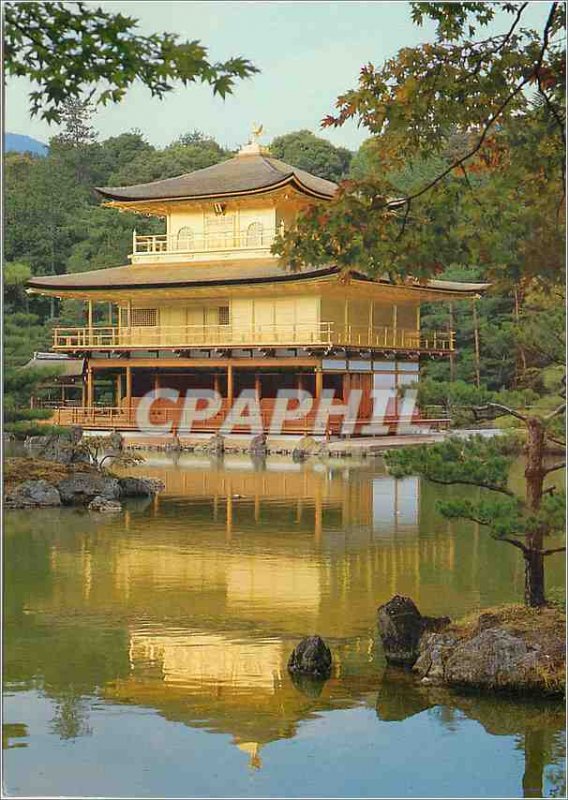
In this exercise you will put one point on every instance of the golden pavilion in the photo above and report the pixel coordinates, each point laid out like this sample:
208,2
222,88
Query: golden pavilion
206,305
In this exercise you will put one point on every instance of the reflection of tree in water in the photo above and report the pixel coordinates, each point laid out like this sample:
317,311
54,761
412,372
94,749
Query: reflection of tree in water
555,774
536,724
71,718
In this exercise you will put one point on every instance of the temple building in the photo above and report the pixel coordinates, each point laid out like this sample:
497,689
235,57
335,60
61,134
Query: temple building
206,305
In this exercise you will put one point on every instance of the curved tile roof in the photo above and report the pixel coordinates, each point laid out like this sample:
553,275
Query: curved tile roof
242,174
163,276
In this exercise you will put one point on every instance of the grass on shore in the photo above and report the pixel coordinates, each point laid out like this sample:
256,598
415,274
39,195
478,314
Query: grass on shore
18,470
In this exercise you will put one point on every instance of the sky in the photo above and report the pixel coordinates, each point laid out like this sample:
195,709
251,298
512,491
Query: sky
308,52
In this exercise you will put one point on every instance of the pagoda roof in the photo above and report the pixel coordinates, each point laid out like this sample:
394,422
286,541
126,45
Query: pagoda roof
244,174
162,276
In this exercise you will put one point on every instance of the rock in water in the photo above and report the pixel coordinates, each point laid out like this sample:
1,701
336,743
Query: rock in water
258,446
400,629
139,487
499,654
82,487
311,657
215,446
104,506
401,626
32,494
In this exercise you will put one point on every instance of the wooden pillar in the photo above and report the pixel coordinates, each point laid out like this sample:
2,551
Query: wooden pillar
346,386
476,343
118,390
319,383
129,389
394,325
300,382
216,382
452,353
257,386
84,392
110,315
230,384
89,321
90,388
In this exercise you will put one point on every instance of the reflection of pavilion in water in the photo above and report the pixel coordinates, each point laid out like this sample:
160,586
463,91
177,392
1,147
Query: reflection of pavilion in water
220,577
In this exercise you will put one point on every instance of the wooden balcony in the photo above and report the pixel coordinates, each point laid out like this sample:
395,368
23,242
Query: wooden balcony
125,418
221,245
183,337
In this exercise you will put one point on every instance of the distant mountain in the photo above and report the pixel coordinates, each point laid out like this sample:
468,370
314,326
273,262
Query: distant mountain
17,142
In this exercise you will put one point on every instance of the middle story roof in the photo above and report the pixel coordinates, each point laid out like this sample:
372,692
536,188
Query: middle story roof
151,277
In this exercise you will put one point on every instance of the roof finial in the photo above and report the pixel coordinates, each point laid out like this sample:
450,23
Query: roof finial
253,148
257,131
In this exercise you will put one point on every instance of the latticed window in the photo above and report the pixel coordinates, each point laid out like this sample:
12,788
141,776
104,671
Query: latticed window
185,238
144,317
254,234
224,318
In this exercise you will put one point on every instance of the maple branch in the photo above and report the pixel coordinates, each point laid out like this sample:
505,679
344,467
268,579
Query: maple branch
495,115
469,186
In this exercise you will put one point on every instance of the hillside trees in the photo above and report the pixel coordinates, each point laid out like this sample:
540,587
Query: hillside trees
313,154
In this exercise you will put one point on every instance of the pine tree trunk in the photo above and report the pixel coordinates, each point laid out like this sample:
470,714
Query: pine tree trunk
534,474
534,579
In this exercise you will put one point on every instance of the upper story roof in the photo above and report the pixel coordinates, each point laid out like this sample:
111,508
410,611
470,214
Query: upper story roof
249,172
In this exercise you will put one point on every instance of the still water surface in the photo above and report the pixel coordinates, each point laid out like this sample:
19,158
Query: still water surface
145,654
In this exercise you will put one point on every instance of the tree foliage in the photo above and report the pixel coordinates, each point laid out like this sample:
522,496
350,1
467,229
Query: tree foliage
466,157
69,50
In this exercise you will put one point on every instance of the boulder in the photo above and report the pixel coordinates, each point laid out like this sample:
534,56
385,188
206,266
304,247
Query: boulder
61,448
103,506
401,626
311,657
82,487
32,494
139,487
494,658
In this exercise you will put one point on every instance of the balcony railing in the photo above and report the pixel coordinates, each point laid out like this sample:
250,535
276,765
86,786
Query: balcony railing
203,243
326,334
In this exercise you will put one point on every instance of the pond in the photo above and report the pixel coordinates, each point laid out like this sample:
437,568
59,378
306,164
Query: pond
145,653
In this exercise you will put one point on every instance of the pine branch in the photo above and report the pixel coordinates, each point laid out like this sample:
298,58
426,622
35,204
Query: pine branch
463,482
557,411
552,550
554,467
498,407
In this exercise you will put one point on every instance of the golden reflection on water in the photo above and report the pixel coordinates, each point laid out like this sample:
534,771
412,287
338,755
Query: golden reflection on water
210,585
